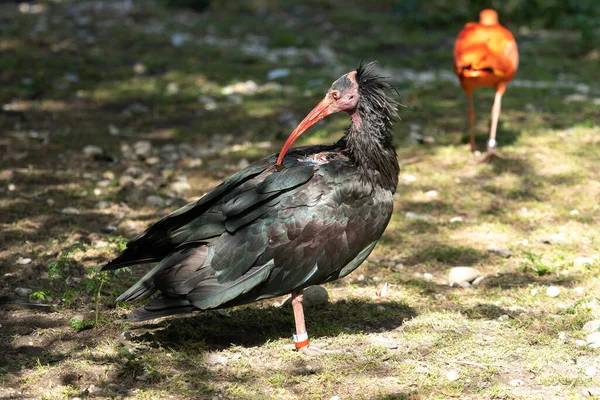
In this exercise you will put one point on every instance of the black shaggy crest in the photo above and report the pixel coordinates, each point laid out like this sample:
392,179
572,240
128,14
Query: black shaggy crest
370,142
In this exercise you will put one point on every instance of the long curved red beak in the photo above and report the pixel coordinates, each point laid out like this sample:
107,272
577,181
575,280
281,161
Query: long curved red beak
320,111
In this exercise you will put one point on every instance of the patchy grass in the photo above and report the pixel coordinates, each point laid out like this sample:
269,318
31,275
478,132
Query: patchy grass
74,74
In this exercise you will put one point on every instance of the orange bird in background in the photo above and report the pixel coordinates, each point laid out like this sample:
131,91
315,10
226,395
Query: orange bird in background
485,54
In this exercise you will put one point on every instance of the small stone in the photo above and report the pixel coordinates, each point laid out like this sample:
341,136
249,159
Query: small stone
478,281
579,290
335,398
142,148
583,261
440,296
452,376
315,296
591,371
562,335
593,340
92,151
462,274
78,318
11,187
70,211
580,343
408,178
417,216
431,193
215,359
93,389
155,201
139,68
360,278
152,160
50,202
278,73
501,251
109,229
427,276
516,382
557,238
113,130
399,266
97,191
180,185
23,292
534,292
23,261
172,88
592,326
552,291
574,212
178,39
102,204
383,342
456,219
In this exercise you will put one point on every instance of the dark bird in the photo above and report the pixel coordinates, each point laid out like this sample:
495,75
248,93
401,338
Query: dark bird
308,216
485,54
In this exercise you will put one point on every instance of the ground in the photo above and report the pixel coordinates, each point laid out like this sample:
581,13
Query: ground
175,101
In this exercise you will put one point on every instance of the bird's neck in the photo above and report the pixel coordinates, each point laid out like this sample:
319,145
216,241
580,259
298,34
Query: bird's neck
369,143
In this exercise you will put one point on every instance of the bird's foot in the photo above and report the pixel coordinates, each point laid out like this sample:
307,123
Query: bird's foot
492,154
316,349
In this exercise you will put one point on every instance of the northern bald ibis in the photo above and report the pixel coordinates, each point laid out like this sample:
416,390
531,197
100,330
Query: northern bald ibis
485,54
307,216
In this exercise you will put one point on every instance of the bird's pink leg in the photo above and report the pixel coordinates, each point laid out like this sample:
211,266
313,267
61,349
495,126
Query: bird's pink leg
471,120
301,336
491,146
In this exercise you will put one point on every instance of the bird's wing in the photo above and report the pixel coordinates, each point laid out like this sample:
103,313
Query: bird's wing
279,231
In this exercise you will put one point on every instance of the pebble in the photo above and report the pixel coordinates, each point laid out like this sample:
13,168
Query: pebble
139,68
408,178
109,229
243,163
552,291
456,219
335,398
593,340
440,296
360,278
142,148
417,216
215,359
431,193
278,73
574,212
92,151
580,343
579,290
180,185
501,251
113,130
583,261
248,88
50,202
97,191
313,296
427,276
452,375
516,382
23,292
172,88
384,342
70,211
592,326
462,274
102,204
155,201
23,261
11,187
591,371
557,238
478,281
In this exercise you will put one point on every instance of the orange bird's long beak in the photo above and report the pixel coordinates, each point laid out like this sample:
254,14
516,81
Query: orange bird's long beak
320,111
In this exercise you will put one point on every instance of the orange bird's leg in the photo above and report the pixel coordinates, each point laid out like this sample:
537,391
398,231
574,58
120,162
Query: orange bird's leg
471,119
500,89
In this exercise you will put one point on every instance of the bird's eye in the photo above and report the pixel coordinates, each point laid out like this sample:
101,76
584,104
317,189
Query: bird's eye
351,97
335,95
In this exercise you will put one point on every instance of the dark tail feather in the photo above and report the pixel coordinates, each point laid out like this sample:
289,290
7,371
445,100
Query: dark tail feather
127,258
161,306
